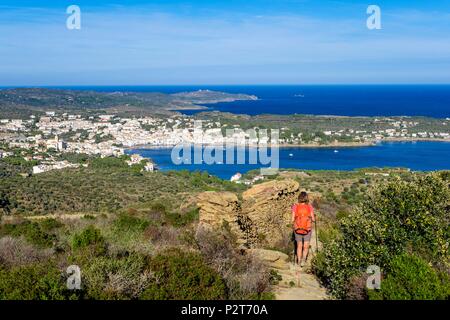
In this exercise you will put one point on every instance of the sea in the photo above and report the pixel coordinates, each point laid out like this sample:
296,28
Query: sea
343,100
416,156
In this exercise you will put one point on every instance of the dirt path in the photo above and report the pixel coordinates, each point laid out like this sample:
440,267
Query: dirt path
296,283
54,216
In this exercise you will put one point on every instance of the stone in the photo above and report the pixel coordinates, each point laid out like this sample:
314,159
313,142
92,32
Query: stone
219,208
269,255
261,219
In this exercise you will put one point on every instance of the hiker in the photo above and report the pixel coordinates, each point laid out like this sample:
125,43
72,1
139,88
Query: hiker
302,220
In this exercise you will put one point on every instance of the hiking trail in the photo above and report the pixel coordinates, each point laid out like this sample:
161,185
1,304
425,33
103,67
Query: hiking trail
296,283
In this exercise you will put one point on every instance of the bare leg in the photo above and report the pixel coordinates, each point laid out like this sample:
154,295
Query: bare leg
305,249
299,252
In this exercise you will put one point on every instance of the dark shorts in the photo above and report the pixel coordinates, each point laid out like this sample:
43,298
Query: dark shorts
301,238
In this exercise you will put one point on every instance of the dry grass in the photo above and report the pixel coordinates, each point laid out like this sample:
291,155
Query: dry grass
245,276
17,252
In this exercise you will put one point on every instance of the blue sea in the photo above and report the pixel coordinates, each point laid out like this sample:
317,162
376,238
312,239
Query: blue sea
421,156
345,100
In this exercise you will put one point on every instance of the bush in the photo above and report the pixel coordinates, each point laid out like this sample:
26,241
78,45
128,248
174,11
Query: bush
116,277
16,252
411,278
274,277
33,282
91,239
108,162
246,276
50,224
158,207
128,223
33,232
182,219
183,276
395,216
163,235
356,287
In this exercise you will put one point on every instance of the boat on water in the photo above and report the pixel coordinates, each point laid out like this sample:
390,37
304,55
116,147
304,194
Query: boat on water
291,155
336,151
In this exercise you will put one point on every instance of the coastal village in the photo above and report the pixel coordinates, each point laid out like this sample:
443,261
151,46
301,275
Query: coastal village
40,138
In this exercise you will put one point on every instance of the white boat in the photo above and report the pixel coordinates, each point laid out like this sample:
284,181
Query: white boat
336,151
291,155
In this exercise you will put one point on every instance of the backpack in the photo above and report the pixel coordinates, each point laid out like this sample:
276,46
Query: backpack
303,218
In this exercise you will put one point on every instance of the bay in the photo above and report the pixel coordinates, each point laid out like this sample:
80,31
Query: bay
417,156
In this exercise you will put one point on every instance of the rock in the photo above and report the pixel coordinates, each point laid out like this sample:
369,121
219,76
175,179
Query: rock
269,255
273,259
295,283
279,265
293,174
268,206
262,218
218,209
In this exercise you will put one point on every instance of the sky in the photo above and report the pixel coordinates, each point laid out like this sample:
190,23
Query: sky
172,42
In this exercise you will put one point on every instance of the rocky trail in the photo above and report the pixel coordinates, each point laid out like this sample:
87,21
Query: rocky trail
261,218
296,283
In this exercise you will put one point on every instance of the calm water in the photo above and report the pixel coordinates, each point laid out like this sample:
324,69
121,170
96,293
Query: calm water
424,156
349,100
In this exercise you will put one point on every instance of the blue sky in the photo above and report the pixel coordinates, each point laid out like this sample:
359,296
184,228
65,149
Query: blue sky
141,42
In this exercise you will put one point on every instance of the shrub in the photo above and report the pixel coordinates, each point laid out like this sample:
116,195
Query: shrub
395,216
128,223
88,217
163,235
341,214
246,276
158,207
182,219
33,282
16,252
116,277
32,231
91,239
356,287
183,276
108,162
274,277
50,224
411,278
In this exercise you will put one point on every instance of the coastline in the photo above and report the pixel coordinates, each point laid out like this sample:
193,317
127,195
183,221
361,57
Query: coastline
199,106
309,145
187,108
396,139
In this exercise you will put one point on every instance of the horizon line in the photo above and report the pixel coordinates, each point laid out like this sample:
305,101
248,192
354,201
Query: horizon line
219,84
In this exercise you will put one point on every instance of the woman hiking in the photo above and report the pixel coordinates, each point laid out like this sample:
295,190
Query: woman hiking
302,220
